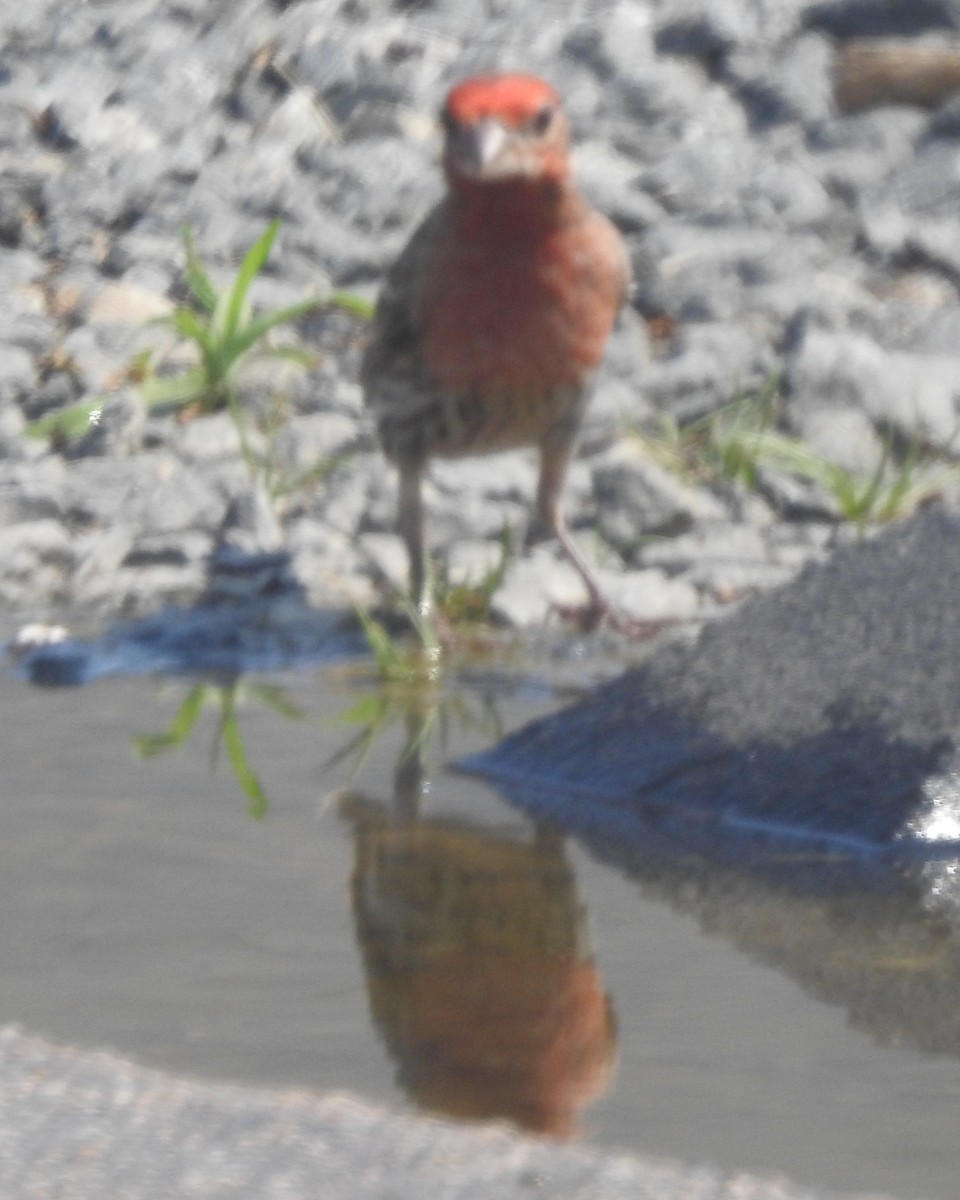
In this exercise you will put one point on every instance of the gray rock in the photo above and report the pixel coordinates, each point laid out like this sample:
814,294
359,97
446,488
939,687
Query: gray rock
708,364
28,546
618,405
714,556
135,591
707,174
333,568
31,490
918,396
534,587
794,84
152,492
133,301
59,390
611,182
17,377
469,563
176,549
250,523
909,213
180,501
387,558
880,18
845,436
24,320
511,476
945,122
666,106
651,595
213,436
98,555
116,428
15,222
361,498
621,44
704,30
481,497
14,443
638,499
795,498
935,243
918,314
854,154
313,445
709,29
21,266
702,271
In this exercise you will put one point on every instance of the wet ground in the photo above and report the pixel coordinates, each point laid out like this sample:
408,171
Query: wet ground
394,928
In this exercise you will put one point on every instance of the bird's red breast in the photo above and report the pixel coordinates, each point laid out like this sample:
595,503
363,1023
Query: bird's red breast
523,298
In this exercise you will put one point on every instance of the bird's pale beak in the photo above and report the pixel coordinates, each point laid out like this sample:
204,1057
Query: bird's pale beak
475,147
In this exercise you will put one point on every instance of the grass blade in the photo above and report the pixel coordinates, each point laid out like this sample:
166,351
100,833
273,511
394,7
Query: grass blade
232,739
68,423
195,273
321,470
240,342
357,306
180,727
192,385
274,698
244,774
251,266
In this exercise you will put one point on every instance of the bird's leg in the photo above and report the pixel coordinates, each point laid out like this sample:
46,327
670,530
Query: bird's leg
410,525
556,450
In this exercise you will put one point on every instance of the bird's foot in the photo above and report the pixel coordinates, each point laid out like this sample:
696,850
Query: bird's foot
600,613
433,627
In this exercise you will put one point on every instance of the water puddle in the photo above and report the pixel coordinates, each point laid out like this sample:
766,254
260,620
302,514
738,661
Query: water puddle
392,927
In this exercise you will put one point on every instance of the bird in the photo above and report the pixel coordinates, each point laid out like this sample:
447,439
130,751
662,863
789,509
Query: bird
491,323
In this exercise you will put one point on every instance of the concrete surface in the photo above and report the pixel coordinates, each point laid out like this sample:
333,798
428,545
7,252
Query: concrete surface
80,1125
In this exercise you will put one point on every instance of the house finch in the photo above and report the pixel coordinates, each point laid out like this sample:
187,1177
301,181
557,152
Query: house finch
493,320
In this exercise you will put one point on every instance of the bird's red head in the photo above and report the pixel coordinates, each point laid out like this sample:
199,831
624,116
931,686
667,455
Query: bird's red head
505,127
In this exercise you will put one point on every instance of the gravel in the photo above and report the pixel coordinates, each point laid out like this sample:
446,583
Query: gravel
771,233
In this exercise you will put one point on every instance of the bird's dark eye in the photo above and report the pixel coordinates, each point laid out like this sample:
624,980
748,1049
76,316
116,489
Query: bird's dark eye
541,120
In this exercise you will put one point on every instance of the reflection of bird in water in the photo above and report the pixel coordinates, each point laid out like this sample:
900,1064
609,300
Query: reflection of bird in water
479,971
492,322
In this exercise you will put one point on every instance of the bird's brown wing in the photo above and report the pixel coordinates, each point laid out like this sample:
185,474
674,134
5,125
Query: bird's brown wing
397,387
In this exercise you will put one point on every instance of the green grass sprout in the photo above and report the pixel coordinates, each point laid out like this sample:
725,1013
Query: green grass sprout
223,329
739,441
226,700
